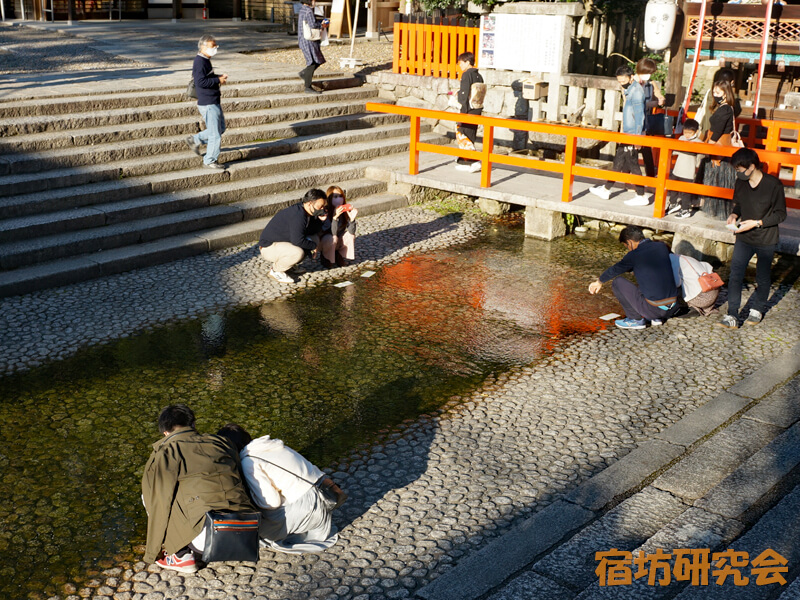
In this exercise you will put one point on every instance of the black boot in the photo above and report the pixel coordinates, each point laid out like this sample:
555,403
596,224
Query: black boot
307,77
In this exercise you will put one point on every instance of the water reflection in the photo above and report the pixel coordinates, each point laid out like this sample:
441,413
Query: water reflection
324,371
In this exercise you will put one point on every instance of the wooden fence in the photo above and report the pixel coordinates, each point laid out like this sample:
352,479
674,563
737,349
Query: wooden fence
774,160
430,46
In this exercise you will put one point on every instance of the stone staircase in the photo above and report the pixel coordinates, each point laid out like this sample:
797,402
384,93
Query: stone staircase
94,185
726,476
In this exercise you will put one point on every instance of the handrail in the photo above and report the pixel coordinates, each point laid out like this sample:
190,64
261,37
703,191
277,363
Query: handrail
568,168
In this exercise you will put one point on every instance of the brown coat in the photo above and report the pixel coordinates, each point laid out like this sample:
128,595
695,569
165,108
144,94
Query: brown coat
187,474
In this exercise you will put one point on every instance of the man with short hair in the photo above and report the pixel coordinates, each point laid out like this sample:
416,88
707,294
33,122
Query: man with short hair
655,299
187,474
760,203
207,85
293,232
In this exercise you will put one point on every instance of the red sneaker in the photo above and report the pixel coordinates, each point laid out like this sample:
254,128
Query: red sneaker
184,564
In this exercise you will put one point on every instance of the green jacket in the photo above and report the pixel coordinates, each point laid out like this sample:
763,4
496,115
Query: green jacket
187,474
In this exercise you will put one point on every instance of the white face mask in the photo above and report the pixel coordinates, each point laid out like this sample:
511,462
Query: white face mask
337,200
644,77
211,51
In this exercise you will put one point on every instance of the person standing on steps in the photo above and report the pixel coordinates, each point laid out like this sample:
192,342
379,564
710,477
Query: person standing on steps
309,34
207,85
759,206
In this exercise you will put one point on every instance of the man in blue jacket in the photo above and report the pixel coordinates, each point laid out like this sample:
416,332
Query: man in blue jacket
207,85
626,157
655,299
293,232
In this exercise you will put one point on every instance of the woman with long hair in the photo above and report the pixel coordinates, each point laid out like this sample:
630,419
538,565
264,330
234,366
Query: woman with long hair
339,242
718,172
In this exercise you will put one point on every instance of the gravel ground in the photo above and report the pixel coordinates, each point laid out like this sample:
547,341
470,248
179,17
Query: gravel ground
25,50
377,56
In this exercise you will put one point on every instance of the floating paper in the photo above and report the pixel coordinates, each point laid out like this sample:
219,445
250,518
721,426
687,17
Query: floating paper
343,284
368,273
610,316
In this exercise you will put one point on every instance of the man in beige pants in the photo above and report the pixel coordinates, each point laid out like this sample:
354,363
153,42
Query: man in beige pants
291,233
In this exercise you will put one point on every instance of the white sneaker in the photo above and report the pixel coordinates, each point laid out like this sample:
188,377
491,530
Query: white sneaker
280,276
600,192
674,208
637,201
475,167
656,322
461,167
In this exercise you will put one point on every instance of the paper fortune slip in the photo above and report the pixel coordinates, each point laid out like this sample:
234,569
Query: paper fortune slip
368,273
610,316
343,284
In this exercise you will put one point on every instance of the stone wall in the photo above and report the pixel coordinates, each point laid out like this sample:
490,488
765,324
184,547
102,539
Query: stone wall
503,98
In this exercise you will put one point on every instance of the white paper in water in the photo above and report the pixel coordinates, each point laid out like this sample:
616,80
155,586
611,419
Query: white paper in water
610,316
368,273
343,284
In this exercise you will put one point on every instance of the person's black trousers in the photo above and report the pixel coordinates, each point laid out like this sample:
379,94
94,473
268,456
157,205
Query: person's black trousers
626,160
742,253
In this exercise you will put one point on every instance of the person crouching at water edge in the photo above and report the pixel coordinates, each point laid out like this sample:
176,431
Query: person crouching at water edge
293,232
339,230
655,298
286,487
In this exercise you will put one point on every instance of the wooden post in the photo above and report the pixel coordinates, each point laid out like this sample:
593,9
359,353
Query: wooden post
677,56
413,152
660,203
570,152
486,165
396,41
176,10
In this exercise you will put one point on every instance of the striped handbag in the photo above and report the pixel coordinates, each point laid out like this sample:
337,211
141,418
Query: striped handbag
231,536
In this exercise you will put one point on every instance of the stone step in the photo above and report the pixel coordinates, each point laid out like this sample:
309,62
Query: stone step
273,124
176,110
132,99
30,183
107,262
113,213
125,189
36,159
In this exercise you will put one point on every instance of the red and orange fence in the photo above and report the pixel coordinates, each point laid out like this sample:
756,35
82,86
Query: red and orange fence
663,147
430,47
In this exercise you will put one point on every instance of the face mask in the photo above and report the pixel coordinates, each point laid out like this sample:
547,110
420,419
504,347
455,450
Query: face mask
337,200
319,212
719,99
743,176
211,51
644,77
624,85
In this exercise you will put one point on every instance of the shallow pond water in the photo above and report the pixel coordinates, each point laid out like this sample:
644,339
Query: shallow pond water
325,371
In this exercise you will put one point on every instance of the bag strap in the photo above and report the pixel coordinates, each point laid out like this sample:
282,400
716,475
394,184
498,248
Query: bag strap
312,483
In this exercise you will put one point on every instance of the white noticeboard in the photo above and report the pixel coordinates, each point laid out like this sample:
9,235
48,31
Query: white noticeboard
530,43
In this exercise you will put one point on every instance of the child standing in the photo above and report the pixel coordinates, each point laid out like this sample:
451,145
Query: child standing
685,169
470,98
626,158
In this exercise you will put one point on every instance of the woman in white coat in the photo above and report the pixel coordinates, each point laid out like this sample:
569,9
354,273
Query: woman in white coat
294,516
695,297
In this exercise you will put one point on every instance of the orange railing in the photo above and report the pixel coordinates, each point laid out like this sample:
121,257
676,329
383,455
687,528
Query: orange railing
431,47
569,169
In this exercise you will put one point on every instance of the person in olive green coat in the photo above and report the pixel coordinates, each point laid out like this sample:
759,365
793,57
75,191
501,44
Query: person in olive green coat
187,474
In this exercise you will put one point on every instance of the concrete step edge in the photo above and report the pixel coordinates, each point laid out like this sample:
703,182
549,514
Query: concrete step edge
253,157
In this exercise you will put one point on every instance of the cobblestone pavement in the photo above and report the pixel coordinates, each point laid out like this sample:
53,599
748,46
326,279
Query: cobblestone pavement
439,487
27,50
52,324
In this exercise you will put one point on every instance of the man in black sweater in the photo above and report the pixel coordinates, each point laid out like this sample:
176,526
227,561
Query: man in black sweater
656,297
293,232
207,84
759,205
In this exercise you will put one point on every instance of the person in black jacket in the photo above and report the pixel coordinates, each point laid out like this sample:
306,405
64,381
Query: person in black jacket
759,205
467,134
207,85
293,232
655,299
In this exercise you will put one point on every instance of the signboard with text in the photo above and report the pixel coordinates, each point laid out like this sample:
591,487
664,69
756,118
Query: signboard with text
530,43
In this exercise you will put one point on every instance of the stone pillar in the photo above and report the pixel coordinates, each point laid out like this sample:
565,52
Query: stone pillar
701,248
544,224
